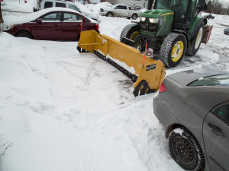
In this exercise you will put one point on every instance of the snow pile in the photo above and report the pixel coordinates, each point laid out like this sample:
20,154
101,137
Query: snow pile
113,26
20,5
83,7
71,111
96,8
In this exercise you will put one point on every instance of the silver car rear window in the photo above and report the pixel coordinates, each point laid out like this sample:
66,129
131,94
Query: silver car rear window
215,80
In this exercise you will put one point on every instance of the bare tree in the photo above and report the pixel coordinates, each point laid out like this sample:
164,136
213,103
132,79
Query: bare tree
1,19
217,7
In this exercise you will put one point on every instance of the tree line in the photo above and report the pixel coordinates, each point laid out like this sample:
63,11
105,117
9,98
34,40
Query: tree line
217,7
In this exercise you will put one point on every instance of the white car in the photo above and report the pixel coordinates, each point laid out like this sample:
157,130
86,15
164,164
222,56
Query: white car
120,10
66,4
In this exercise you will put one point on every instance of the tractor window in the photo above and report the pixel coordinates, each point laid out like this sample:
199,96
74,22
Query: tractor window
162,4
180,9
193,10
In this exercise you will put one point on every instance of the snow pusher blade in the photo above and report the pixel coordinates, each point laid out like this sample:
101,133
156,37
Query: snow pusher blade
147,73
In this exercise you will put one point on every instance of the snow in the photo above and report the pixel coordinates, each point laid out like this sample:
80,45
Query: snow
96,8
19,5
61,110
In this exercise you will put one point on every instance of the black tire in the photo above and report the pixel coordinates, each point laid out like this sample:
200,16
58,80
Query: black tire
131,31
24,34
78,37
194,44
110,14
185,149
134,16
173,40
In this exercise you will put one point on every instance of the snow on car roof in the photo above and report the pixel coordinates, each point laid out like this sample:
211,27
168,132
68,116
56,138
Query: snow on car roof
82,7
32,16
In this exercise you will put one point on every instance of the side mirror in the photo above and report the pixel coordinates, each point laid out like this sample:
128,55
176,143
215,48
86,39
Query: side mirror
39,20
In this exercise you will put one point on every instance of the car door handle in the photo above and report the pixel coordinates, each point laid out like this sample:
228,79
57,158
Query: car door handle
57,25
216,130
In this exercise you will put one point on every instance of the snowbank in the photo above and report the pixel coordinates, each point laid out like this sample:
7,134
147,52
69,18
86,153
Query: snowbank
19,5
96,8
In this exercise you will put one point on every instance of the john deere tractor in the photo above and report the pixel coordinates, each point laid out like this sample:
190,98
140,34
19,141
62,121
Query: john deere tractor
169,31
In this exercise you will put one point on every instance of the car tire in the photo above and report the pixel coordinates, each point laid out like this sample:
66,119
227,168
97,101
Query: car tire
134,16
185,149
195,42
24,34
173,49
78,37
109,14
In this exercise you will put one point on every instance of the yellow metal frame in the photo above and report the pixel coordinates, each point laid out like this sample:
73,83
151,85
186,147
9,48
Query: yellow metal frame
131,59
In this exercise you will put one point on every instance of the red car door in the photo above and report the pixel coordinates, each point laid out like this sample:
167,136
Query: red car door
49,28
71,26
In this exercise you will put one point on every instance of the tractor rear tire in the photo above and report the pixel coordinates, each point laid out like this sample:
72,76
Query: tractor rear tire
131,31
195,42
173,49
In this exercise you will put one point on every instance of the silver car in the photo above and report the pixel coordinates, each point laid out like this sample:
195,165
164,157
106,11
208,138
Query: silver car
193,107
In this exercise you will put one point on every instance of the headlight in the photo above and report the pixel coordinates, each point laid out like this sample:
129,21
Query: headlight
7,27
153,20
143,19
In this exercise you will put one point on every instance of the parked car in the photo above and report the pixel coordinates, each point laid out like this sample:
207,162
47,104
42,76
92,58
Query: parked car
66,4
52,24
209,16
226,31
193,107
120,10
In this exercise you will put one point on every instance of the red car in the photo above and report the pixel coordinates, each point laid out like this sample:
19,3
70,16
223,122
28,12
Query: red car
52,24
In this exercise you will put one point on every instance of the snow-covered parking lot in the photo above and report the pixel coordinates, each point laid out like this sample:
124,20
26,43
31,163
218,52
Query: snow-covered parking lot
65,111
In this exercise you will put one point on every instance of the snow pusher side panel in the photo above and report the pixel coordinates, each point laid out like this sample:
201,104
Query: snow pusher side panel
147,77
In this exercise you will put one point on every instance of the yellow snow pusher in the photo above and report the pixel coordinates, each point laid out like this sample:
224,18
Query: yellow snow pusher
147,73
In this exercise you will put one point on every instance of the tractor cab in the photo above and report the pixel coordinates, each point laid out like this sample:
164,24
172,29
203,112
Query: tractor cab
185,11
181,8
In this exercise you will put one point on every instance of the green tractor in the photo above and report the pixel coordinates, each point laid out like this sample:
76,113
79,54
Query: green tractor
169,31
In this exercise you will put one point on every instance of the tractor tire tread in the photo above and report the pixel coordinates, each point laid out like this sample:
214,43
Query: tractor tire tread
128,30
166,47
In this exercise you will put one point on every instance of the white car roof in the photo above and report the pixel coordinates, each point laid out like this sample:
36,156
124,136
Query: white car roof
32,16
